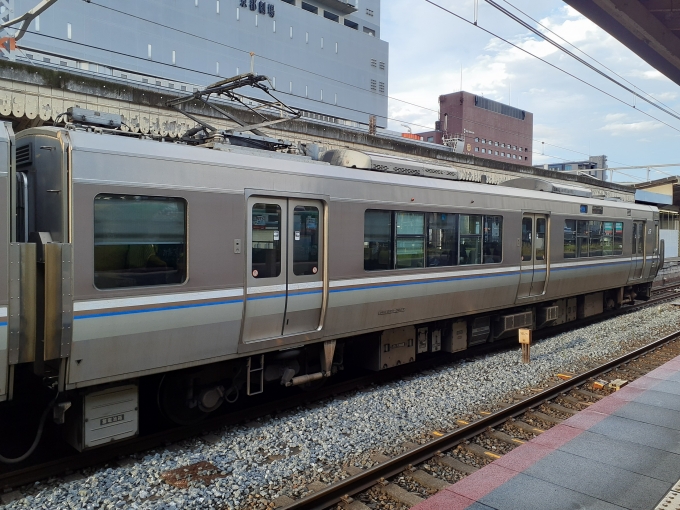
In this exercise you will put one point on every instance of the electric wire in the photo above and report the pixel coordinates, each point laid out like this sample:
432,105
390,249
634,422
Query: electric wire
557,45
587,55
549,63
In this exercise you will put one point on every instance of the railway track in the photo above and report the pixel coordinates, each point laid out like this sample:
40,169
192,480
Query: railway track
65,464
466,449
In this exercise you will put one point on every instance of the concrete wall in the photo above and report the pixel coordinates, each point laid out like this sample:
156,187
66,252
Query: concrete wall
671,239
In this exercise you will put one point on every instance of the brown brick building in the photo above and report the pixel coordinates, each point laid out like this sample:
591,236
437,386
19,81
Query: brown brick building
490,129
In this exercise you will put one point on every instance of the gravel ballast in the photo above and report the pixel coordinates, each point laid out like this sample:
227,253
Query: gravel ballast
284,455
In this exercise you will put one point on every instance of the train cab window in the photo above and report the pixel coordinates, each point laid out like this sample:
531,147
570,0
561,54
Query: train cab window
569,239
410,240
527,237
470,251
442,239
540,238
595,239
377,240
266,241
139,241
618,238
306,240
493,239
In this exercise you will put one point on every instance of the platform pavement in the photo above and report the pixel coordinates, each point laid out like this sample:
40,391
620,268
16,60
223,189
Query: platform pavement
622,452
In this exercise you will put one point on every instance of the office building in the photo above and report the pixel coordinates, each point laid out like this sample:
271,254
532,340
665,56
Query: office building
489,129
324,57
595,167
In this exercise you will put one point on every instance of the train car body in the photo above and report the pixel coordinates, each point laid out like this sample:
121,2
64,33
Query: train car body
158,258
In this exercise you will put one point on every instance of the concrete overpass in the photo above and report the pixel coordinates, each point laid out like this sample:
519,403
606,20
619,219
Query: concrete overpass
650,28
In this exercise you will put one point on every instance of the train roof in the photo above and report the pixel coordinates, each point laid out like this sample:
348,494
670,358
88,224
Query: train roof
242,158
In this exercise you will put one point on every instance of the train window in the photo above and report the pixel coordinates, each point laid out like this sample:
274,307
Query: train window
377,240
592,238
527,237
139,241
442,239
493,239
540,238
410,240
595,239
582,231
618,238
569,239
607,238
266,241
470,251
306,240
638,238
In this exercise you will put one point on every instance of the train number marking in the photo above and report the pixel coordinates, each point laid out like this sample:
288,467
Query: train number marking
112,419
395,310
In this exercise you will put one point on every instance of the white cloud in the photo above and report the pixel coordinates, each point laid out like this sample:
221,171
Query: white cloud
428,46
626,128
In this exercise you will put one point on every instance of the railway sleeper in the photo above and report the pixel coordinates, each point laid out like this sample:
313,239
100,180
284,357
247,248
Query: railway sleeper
401,495
456,464
506,438
480,451
561,409
538,415
531,429
353,504
588,394
575,401
427,480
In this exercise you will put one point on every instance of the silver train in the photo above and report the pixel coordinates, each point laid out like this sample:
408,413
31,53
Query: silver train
212,273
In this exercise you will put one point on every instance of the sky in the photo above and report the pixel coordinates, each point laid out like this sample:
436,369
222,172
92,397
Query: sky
572,120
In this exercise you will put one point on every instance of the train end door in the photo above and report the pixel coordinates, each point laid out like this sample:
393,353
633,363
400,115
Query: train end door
285,268
534,256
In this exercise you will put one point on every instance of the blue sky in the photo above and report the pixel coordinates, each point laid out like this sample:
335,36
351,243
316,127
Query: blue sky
428,47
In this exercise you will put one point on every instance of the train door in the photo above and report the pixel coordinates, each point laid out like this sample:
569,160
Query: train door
533,264
284,291
638,260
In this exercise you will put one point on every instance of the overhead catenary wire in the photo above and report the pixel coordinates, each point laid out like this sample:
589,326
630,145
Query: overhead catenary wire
587,55
431,2
557,45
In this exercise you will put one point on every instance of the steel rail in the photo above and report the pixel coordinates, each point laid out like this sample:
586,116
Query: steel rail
334,493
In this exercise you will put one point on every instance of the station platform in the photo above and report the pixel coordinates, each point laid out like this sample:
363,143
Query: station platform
622,452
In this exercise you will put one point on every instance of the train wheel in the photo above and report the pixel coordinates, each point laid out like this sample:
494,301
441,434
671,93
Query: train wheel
175,399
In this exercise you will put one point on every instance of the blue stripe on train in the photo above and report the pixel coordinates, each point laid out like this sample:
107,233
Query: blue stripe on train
334,291
161,309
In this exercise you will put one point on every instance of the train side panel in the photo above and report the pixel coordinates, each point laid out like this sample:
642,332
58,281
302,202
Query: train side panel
133,330
6,138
